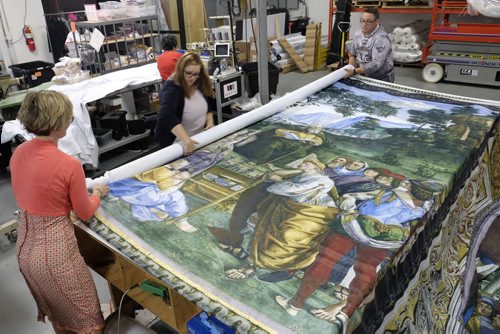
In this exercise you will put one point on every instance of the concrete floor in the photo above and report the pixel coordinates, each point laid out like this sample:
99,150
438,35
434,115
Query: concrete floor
17,308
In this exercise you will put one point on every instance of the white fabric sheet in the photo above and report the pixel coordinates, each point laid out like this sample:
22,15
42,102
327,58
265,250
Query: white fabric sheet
80,141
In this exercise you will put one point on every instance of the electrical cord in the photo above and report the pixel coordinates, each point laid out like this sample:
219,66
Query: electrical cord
120,306
24,25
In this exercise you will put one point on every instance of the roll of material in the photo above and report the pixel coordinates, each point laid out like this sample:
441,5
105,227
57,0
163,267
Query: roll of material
411,39
400,47
407,31
406,47
175,151
414,46
407,57
397,38
490,8
398,31
284,62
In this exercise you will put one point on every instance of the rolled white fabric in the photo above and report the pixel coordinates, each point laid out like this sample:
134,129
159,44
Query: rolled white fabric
414,46
398,31
412,39
284,62
174,151
401,47
407,31
489,8
407,56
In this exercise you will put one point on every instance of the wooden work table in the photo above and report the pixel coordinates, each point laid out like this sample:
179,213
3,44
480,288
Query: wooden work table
122,273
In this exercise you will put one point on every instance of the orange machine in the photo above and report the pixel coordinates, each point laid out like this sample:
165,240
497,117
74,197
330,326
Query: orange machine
461,48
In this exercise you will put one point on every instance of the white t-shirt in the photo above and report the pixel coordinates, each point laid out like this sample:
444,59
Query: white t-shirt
194,116
71,45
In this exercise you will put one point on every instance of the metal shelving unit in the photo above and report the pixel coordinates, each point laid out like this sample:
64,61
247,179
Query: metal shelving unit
127,42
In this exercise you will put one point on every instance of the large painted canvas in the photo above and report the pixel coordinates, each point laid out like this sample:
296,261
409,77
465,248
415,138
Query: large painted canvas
291,222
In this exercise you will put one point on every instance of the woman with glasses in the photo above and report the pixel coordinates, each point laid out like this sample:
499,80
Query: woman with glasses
186,104
370,51
48,184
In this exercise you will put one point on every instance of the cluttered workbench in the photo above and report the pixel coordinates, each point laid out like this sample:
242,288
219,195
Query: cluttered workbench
13,100
315,213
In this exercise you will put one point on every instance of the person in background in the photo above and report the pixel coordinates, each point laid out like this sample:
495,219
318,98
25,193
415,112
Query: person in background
370,51
73,39
167,60
186,104
48,184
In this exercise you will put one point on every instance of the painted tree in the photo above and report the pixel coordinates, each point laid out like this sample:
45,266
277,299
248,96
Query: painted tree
436,119
467,118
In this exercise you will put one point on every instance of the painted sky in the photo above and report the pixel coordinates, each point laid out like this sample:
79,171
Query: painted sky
404,103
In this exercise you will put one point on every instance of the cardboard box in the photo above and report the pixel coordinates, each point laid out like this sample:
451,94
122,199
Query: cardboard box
243,47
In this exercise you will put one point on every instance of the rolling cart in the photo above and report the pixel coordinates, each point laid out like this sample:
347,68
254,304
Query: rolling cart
461,51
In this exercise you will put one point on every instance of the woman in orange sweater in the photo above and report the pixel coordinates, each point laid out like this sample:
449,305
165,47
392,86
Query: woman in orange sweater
48,184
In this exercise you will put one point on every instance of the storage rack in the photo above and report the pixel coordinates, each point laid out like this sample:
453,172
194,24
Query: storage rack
117,41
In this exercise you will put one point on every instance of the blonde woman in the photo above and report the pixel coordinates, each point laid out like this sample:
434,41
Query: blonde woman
186,104
47,185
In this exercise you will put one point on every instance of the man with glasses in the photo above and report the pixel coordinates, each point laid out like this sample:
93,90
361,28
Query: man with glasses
370,51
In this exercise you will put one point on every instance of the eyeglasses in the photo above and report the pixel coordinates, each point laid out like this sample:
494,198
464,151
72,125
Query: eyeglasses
191,74
367,21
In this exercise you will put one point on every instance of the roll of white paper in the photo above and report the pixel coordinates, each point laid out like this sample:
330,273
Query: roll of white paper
398,31
174,151
407,31
414,46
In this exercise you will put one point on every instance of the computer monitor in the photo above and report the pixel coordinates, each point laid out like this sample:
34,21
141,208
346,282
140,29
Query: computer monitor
222,50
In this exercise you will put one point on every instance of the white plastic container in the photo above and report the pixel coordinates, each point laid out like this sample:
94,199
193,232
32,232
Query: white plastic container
110,5
116,10
140,11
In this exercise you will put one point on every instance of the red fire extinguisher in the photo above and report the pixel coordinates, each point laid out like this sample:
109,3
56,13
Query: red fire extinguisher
28,36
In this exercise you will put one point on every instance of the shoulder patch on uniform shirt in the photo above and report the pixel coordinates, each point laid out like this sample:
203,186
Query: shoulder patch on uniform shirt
380,48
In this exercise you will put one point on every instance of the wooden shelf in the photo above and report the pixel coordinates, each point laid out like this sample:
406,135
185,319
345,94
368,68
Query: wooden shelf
121,273
124,141
398,10
91,24
128,39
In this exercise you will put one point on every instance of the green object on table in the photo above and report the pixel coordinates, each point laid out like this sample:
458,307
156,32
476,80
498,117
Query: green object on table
155,289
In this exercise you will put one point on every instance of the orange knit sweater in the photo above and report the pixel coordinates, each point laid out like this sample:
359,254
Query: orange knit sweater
48,182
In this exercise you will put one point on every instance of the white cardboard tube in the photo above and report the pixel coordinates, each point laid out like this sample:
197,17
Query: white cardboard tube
174,151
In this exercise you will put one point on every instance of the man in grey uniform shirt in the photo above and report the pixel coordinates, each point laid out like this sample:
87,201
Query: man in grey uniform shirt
370,51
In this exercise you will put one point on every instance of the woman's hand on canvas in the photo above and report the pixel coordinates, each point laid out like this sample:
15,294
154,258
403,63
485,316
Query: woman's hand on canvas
100,190
189,146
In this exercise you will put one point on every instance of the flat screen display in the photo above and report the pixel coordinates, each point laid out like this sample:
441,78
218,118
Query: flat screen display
221,50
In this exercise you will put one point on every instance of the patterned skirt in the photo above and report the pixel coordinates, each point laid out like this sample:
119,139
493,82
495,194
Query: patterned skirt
56,274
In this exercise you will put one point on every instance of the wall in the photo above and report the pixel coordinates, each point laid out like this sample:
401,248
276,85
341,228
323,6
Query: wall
12,13
318,11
